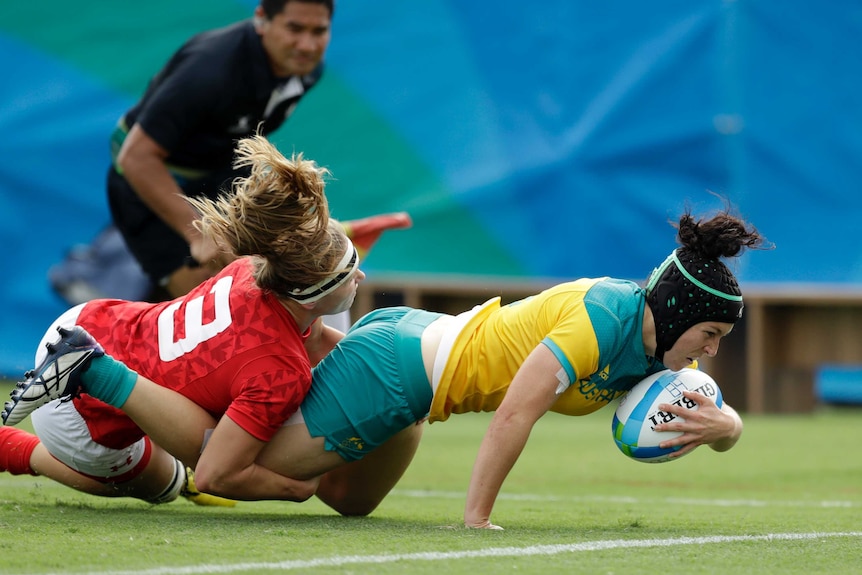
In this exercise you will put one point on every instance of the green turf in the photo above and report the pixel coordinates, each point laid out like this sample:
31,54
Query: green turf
570,505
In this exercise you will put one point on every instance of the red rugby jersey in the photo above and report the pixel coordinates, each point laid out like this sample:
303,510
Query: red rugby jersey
229,347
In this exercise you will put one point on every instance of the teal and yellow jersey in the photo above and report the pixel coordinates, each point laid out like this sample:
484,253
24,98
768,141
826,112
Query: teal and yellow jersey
593,327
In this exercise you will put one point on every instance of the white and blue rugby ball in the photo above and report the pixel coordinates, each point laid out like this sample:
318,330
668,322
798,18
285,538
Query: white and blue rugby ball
638,413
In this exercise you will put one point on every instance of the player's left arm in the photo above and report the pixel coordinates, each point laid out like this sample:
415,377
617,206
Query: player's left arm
718,427
530,395
228,467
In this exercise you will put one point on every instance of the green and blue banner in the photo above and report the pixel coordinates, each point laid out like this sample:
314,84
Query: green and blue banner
547,140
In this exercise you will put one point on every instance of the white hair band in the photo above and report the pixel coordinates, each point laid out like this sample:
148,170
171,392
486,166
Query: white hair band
348,264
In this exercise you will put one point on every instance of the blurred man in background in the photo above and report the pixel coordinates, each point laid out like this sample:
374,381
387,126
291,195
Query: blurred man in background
178,140
220,86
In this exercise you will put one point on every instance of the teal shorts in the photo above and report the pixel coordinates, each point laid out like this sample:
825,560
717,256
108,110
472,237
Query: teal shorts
372,385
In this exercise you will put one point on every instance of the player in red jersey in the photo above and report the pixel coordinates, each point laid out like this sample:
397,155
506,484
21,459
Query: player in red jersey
237,345
357,427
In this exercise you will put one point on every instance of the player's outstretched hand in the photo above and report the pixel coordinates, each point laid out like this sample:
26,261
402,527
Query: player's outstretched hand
707,424
366,231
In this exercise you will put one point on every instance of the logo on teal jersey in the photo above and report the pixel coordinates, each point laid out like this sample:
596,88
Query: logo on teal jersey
354,443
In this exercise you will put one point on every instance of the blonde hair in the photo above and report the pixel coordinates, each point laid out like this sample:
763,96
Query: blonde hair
279,215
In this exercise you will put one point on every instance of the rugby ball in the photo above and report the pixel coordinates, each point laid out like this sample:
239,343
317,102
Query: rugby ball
638,413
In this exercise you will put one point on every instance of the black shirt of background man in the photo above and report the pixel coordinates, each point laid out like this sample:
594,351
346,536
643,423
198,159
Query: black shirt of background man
213,91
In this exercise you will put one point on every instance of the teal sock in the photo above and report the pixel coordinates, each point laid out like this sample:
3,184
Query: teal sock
109,380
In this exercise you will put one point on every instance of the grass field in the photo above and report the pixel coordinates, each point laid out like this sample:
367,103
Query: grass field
786,500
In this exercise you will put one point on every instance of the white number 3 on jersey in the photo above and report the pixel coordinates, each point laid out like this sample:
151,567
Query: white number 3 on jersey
196,332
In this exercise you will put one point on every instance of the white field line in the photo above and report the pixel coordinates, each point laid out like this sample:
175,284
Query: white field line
419,493
533,550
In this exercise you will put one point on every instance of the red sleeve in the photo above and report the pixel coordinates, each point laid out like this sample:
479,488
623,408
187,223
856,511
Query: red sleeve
267,399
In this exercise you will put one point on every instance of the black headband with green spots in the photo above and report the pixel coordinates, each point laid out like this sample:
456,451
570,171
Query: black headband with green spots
687,289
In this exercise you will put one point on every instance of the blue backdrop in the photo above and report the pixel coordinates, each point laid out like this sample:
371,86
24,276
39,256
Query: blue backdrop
552,139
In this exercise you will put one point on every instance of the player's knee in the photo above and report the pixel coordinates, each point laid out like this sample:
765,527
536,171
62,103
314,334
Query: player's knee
354,508
344,499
